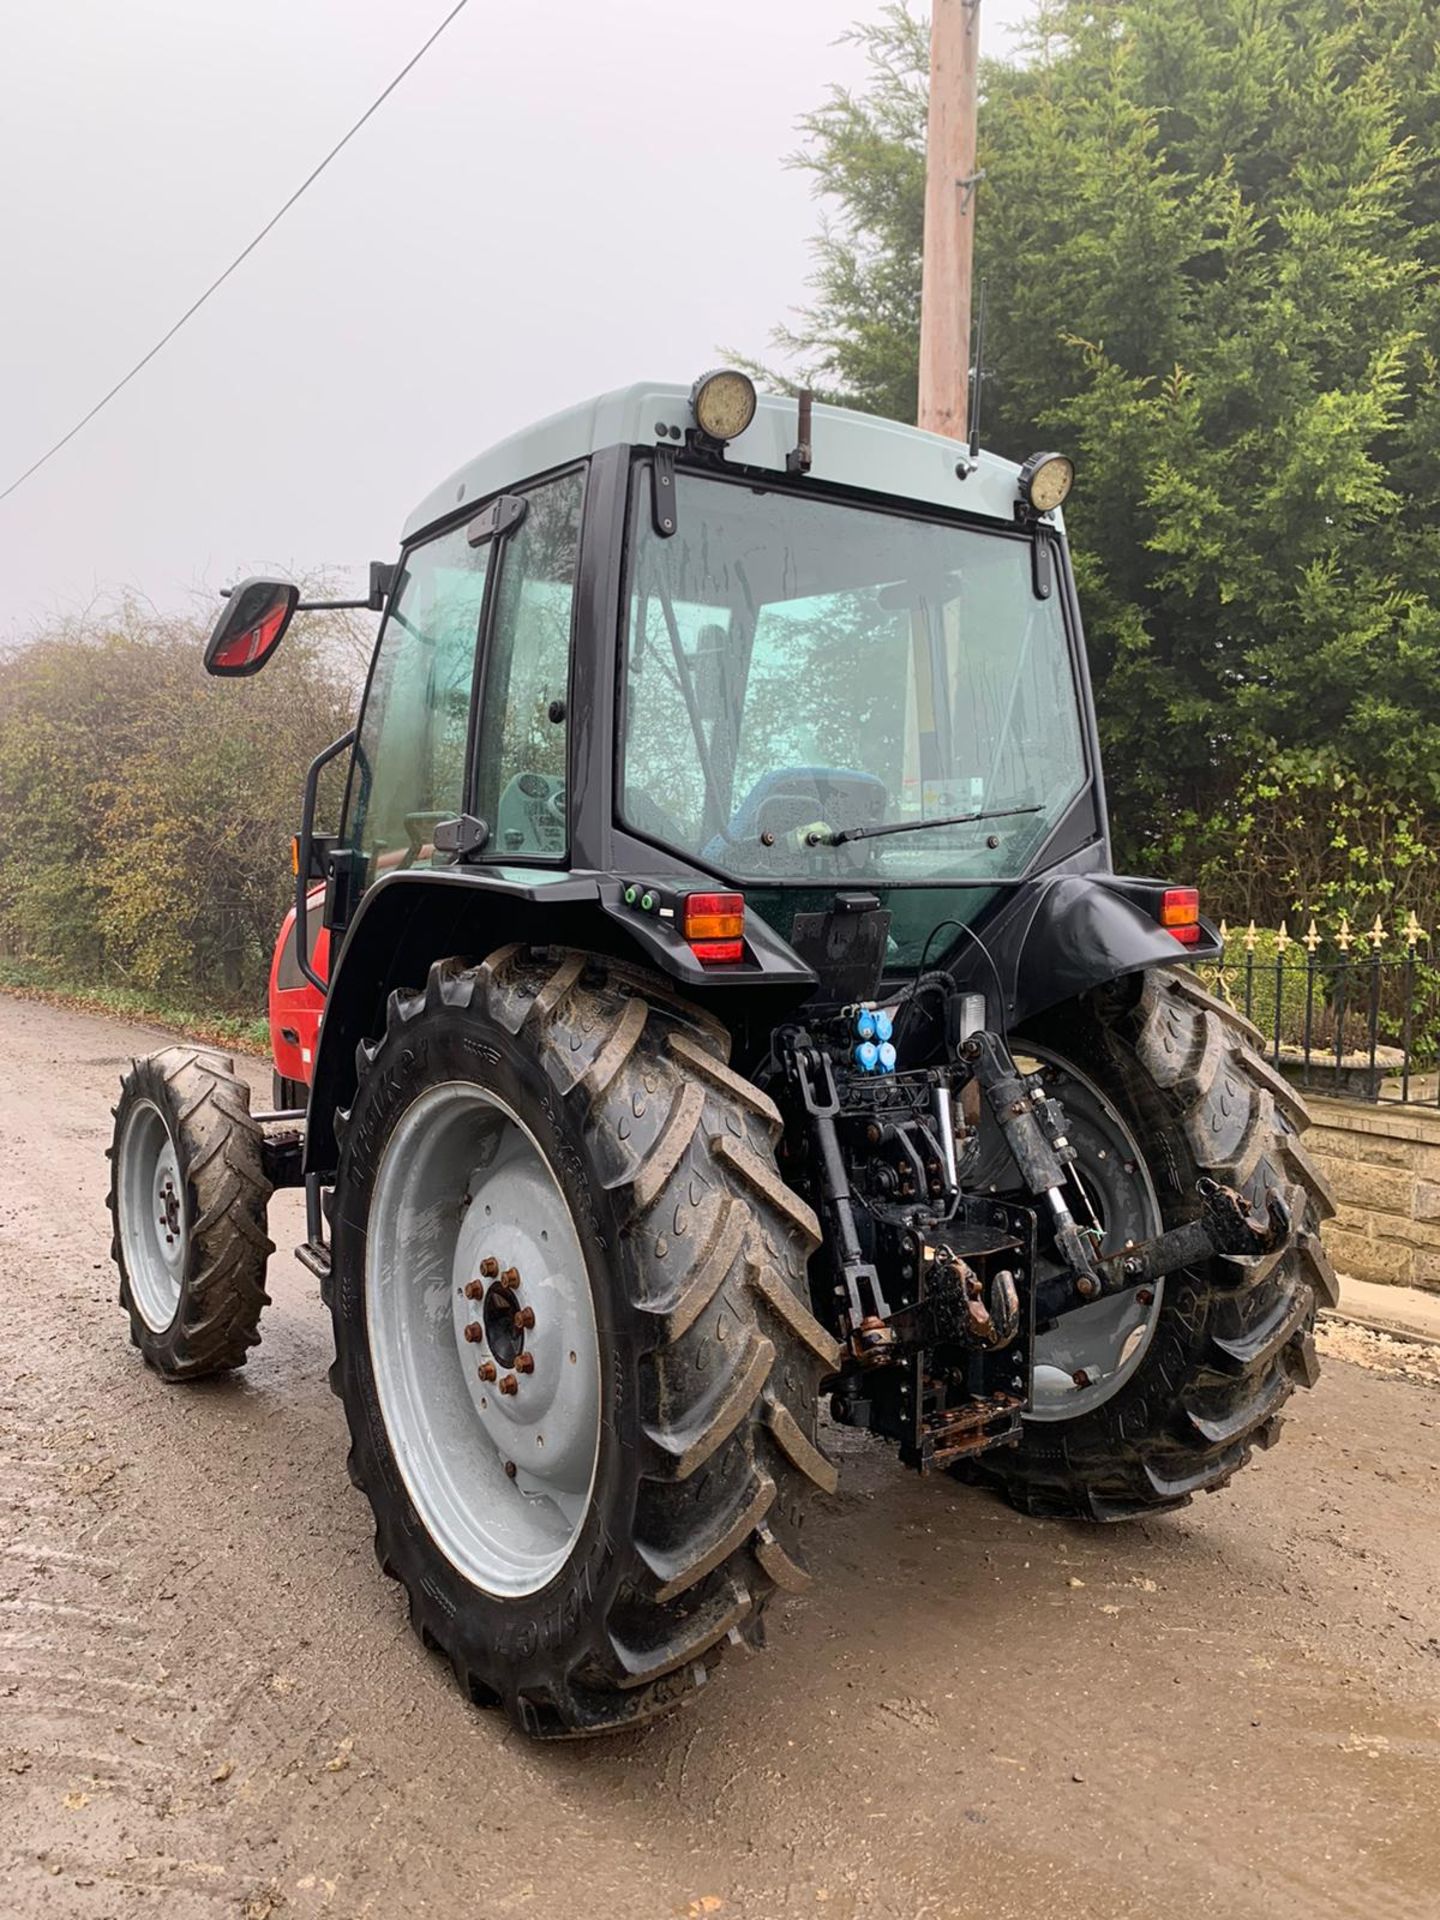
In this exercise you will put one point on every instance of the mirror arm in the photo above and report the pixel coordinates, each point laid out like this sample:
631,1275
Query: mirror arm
382,579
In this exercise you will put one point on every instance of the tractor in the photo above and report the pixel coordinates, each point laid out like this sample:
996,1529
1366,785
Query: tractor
716,1015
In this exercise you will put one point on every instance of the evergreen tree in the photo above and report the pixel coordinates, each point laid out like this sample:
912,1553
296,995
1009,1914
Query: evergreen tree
1209,231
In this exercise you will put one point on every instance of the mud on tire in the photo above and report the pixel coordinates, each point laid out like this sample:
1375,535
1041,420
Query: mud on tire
220,1203
710,1358
1234,1338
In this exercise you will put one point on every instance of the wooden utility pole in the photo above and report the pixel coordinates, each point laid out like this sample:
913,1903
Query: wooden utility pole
950,182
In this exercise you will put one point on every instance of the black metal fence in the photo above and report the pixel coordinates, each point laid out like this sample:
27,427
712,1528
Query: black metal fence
1341,1012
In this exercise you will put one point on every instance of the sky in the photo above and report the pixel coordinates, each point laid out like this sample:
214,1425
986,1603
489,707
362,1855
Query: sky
564,196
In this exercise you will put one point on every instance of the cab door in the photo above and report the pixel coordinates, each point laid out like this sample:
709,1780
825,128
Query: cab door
409,766
498,587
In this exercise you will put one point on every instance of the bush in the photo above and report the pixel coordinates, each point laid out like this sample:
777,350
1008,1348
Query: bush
148,807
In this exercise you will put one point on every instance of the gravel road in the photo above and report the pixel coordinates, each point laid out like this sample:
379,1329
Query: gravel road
211,1703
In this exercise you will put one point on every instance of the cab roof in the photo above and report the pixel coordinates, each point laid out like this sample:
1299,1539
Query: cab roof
850,449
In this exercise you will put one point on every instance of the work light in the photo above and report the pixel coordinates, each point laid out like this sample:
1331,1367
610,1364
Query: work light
723,403
1045,479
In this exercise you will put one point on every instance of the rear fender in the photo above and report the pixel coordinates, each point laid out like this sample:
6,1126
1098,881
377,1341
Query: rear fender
409,920
1067,934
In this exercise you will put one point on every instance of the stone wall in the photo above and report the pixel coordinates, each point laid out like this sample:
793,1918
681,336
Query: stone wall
1384,1164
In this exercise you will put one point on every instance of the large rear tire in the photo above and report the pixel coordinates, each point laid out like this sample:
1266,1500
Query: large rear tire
561,1101
189,1193
1230,1340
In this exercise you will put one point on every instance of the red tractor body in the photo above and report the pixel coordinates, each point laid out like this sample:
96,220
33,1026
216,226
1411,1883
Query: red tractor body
295,1004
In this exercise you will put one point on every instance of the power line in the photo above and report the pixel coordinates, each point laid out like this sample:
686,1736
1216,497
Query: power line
274,221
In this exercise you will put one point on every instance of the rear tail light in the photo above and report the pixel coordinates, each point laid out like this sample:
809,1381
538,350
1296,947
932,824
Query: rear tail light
714,925
1180,914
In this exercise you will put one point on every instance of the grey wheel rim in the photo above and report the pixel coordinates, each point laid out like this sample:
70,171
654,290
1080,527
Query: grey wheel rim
152,1215
482,1337
1086,1356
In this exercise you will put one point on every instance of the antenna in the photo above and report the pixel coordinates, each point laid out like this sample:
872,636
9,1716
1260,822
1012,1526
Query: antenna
977,376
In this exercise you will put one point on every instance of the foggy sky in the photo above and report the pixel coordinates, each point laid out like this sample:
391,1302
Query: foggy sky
564,196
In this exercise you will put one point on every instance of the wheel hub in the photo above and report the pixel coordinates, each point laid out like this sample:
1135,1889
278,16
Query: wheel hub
169,1201
521,1339
501,1318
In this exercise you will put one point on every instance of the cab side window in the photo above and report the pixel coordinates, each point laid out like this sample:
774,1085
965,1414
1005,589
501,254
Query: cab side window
521,763
409,768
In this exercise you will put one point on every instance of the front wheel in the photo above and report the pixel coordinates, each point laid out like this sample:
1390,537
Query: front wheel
189,1194
1149,1396
571,1336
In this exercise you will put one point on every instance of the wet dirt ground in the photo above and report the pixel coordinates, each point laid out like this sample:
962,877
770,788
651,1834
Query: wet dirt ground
211,1703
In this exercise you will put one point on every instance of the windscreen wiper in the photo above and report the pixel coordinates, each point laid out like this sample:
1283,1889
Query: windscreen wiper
823,837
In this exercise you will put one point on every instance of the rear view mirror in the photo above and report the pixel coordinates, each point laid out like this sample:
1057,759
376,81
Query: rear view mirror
251,626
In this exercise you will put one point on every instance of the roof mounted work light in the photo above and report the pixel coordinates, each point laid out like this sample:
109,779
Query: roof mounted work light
723,403
1045,480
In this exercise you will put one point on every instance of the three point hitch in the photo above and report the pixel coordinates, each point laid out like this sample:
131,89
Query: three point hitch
936,1291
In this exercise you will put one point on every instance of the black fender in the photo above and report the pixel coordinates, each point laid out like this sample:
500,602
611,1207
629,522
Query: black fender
1064,934
412,918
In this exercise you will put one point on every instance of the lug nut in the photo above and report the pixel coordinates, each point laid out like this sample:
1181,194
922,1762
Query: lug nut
489,1267
510,1469
523,1320
510,1277
524,1363
509,1384
487,1370
474,1291
474,1331
1145,1297
1080,1377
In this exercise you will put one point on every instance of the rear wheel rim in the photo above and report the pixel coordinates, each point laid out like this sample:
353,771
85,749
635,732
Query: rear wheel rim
469,1229
152,1215
1086,1356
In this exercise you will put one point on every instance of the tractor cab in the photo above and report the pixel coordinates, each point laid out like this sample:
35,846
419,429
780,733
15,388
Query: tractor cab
815,654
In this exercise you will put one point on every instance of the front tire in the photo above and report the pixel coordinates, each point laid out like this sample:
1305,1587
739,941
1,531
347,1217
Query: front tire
609,1107
1230,1340
189,1195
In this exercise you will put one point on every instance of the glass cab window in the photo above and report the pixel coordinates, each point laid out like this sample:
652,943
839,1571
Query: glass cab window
409,768
796,668
521,761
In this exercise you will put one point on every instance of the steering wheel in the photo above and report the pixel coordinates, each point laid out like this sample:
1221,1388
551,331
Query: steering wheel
530,814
